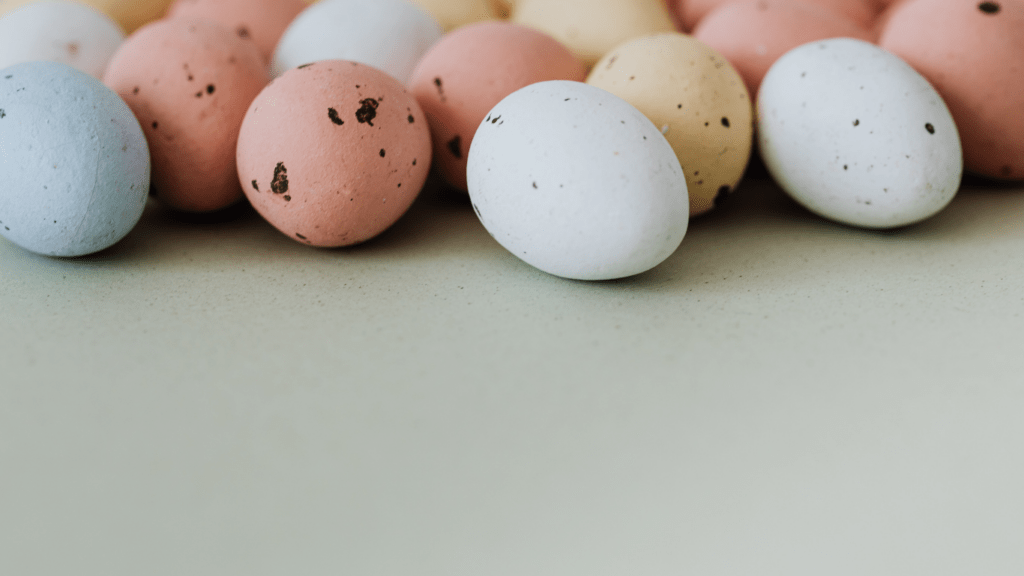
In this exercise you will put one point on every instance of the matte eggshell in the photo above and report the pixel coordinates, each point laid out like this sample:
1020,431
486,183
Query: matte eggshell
74,161
262,21
854,134
577,182
973,53
469,71
390,35
698,101
590,28
189,83
753,34
333,153
455,13
60,31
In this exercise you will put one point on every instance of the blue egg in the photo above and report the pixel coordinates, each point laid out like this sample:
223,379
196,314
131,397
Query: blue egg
74,160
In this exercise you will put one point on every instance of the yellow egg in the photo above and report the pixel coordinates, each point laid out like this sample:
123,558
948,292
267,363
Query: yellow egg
454,13
130,14
696,98
590,28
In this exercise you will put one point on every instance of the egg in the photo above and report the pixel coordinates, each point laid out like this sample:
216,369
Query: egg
74,159
333,153
854,134
189,83
60,31
753,34
590,28
469,71
980,75
262,21
696,98
390,35
577,182
129,14
455,13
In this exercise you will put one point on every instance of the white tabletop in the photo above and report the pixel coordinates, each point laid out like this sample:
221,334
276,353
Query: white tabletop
783,396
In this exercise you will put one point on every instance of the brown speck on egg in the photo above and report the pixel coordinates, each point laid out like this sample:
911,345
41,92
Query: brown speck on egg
989,7
210,88
333,115
382,153
455,147
242,32
725,122
255,186
929,128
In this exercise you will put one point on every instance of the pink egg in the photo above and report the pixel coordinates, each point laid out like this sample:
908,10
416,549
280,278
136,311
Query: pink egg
189,84
472,69
262,21
973,53
333,153
753,34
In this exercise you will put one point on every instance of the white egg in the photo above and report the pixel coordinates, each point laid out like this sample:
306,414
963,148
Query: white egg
854,134
74,161
390,35
66,32
577,182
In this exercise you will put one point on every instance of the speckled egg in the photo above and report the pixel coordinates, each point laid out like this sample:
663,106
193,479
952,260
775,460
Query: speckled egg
73,158
262,21
753,34
60,31
390,35
189,83
590,28
973,53
333,153
469,71
854,134
455,13
577,182
698,101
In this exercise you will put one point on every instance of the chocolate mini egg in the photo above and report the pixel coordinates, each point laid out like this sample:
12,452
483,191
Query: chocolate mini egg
390,35
698,101
333,153
469,71
590,28
262,21
189,83
73,158
577,182
455,13
973,53
61,31
854,134
753,34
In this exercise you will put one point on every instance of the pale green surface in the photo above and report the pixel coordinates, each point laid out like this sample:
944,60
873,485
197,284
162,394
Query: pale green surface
784,396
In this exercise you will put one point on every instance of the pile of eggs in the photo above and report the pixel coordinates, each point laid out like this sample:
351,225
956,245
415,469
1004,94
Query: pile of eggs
586,133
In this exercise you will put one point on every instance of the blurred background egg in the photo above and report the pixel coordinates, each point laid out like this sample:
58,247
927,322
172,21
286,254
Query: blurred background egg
469,71
262,21
129,14
753,34
390,35
189,83
577,182
973,53
74,161
590,28
854,134
61,31
454,13
697,100
333,153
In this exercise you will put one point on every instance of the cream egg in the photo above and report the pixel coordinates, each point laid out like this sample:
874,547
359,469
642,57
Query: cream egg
61,31
469,71
189,83
698,101
333,153
577,182
75,162
590,28
854,134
